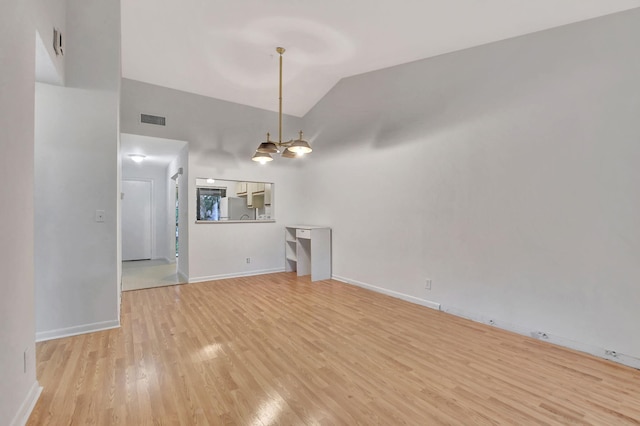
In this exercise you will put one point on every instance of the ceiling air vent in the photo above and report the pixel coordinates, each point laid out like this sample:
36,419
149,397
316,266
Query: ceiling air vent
152,119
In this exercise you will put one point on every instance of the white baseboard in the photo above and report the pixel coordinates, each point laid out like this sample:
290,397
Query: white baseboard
22,416
234,275
75,330
487,320
597,351
610,355
397,295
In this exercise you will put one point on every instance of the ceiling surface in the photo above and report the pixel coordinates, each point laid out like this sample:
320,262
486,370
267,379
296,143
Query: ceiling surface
225,49
157,151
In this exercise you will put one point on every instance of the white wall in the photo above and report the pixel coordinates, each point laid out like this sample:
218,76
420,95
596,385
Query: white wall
76,170
18,389
157,174
218,250
514,169
222,137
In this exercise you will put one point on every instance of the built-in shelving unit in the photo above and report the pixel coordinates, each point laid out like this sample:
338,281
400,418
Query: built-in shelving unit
308,251
290,249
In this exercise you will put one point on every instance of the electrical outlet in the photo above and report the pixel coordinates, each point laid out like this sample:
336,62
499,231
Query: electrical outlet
427,284
248,260
539,335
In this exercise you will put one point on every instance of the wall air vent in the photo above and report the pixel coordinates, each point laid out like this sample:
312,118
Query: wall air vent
152,119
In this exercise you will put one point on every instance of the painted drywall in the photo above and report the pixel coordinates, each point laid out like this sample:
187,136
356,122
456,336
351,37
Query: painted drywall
505,173
18,389
222,137
157,174
75,254
76,172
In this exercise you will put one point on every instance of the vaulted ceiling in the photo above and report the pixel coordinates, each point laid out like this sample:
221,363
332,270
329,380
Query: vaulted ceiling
225,49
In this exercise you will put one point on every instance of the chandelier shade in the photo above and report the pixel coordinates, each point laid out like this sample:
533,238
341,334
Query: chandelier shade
300,146
287,153
268,147
262,157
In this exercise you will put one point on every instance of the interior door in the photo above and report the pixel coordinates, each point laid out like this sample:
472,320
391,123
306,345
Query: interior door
136,220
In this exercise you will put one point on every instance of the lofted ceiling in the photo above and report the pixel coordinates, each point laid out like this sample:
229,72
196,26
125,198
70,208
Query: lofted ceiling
225,49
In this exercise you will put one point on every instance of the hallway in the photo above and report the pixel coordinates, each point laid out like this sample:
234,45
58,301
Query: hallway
141,274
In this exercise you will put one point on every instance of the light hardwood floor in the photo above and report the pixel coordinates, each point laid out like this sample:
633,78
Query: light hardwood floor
279,350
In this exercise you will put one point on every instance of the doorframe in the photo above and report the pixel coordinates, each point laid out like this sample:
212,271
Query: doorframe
152,212
177,200
176,211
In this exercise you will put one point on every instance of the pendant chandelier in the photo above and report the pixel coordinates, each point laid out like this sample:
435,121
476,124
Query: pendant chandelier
289,149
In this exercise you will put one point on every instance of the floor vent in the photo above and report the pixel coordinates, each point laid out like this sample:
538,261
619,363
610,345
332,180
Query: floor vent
152,119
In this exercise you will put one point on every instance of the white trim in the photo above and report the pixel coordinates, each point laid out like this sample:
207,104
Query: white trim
220,222
234,275
22,416
489,321
183,277
397,295
597,351
75,330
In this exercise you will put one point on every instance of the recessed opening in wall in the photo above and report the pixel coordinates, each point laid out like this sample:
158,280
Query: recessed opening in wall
229,201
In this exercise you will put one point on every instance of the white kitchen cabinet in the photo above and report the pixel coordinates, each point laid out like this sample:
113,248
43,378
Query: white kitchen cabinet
255,199
241,188
267,194
308,251
258,194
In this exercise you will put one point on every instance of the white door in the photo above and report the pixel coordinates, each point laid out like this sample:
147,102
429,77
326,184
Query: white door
136,220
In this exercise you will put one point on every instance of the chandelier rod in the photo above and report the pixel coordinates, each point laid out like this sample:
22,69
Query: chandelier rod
280,50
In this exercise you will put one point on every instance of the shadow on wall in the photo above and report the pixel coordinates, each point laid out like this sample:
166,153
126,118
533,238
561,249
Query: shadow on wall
425,98
217,156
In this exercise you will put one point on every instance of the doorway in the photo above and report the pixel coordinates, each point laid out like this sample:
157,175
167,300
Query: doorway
150,245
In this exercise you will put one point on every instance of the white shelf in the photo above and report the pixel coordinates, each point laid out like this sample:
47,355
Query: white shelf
308,251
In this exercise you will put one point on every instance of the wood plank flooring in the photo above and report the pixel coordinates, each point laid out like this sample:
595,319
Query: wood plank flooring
279,350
